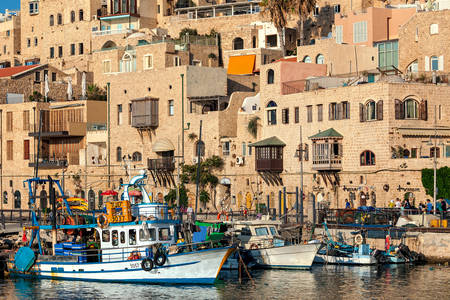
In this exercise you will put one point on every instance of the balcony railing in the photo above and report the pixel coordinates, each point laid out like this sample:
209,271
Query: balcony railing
274,165
50,163
326,163
112,31
161,164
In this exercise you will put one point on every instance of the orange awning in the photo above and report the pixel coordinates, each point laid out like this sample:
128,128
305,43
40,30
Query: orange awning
241,65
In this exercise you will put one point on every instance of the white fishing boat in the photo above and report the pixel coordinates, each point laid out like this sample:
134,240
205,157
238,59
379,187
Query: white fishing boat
267,248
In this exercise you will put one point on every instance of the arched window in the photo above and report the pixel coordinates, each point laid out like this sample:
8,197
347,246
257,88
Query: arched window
411,110
81,15
100,199
5,197
83,194
119,154
200,144
91,199
17,199
367,158
238,43
307,59
128,63
43,199
437,149
371,110
109,45
413,67
52,20
72,16
59,19
320,59
270,76
254,41
271,113
137,156
434,63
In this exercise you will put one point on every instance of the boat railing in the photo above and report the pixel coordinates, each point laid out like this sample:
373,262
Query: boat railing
15,216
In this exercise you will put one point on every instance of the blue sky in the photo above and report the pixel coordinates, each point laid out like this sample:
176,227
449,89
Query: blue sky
9,4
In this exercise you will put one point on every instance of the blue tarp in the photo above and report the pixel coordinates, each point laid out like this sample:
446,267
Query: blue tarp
201,235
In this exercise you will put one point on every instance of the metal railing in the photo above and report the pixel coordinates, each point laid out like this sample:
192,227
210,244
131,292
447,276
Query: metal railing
111,32
15,216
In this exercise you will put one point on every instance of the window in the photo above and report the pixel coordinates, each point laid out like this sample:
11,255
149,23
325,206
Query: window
367,158
434,150
447,150
137,156
244,149
52,20
272,113
164,234
53,76
59,19
413,152
60,51
249,151
115,238
296,114
81,15
9,150
388,54
273,231
72,16
434,63
201,145
26,149
434,29
171,108
309,113
106,66
123,6
122,237
132,237
34,7
261,231
320,59
285,115
37,76
333,111
80,48
148,61
128,63
8,32
316,11
72,49
147,234
410,109
226,148
159,9
177,61
4,49
360,32
337,8
238,44
119,114
339,34
52,52
106,236
26,120
35,41
371,111
270,76
28,43
345,110
319,112
9,121
130,111
119,154
307,59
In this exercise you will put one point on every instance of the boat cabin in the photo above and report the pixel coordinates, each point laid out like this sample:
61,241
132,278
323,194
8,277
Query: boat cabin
258,234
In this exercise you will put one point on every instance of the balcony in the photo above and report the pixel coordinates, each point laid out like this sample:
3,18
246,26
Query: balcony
269,155
327,150
112,32
61,129
161,164
273,165
326,163
56,162
144,113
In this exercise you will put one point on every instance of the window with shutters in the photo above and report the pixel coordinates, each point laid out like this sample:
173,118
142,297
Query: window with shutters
309,113
434,61
332,111
106,66
339,34
367,158
9,150
26,149
360,32
59,19
26,120
319,112
271,113
9,121
434,150
371,111
345,110
296,114
411,109
72,16
285,116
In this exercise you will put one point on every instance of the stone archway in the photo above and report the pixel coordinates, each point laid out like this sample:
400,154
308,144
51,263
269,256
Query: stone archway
43,199
362,199
17,200
239,200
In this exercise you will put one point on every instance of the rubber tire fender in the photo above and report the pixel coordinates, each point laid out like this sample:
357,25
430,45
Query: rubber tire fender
3,266
160,259
147,264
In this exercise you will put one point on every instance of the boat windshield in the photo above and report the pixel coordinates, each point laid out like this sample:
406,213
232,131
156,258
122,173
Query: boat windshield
147,235
273,231
261,231
164,234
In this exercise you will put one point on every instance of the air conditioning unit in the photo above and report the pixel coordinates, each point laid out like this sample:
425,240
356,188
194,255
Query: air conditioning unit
94,17
195,160
239,160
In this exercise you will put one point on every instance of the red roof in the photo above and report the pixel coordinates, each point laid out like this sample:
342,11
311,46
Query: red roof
7,72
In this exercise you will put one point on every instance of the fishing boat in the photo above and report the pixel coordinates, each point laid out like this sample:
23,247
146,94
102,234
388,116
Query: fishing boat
138,247
269,250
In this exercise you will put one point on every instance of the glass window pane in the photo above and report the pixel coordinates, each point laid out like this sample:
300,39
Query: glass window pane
261,231
115,238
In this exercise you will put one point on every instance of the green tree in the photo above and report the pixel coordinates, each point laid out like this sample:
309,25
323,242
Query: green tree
303,8
252,126
171,197
442,182
94,92
278,12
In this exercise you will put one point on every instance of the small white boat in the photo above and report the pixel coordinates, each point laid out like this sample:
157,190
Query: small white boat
362,257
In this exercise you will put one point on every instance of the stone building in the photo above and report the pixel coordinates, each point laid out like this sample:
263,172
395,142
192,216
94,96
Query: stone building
9,39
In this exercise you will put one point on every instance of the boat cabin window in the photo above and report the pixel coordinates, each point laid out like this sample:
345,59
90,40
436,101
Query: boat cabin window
273,231
115,238
261,231
122,237
164,234
132,237
246,231
106,237
147,235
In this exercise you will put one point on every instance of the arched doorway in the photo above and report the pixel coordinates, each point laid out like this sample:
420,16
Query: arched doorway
91,199
239,200
373,199
238,44
43,199
248,200
362,199
17,200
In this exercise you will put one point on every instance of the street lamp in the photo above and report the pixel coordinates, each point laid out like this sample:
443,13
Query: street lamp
299,153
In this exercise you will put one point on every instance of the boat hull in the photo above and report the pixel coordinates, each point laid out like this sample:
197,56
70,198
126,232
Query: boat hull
287,257
200,267
343,260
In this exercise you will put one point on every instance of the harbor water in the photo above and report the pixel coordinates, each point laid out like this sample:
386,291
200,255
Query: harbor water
322,282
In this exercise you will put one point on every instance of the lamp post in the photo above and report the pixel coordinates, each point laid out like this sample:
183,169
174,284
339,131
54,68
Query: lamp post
299,153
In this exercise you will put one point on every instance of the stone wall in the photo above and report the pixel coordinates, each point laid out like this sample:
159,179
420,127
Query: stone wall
242,83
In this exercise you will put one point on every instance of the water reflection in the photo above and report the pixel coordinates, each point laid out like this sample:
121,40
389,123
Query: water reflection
322,282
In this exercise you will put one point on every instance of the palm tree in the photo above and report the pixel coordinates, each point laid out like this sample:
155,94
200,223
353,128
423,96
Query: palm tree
278,11
303,9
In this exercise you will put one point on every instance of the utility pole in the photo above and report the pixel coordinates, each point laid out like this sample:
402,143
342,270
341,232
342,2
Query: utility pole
198,170
300,155
178,177
108,121
182,117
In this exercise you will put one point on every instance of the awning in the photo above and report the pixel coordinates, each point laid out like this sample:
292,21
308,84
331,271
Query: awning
425,132
329,133
225,181
241,65
272,141
162,145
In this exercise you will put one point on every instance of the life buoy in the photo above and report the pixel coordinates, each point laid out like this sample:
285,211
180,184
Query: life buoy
134,255
218,216
147,264
160,258
387,243
102,221
69,220
358,239
253,246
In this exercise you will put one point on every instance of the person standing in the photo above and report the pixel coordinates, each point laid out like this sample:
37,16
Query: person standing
391,203
398,204
429,206
347,204
190,212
